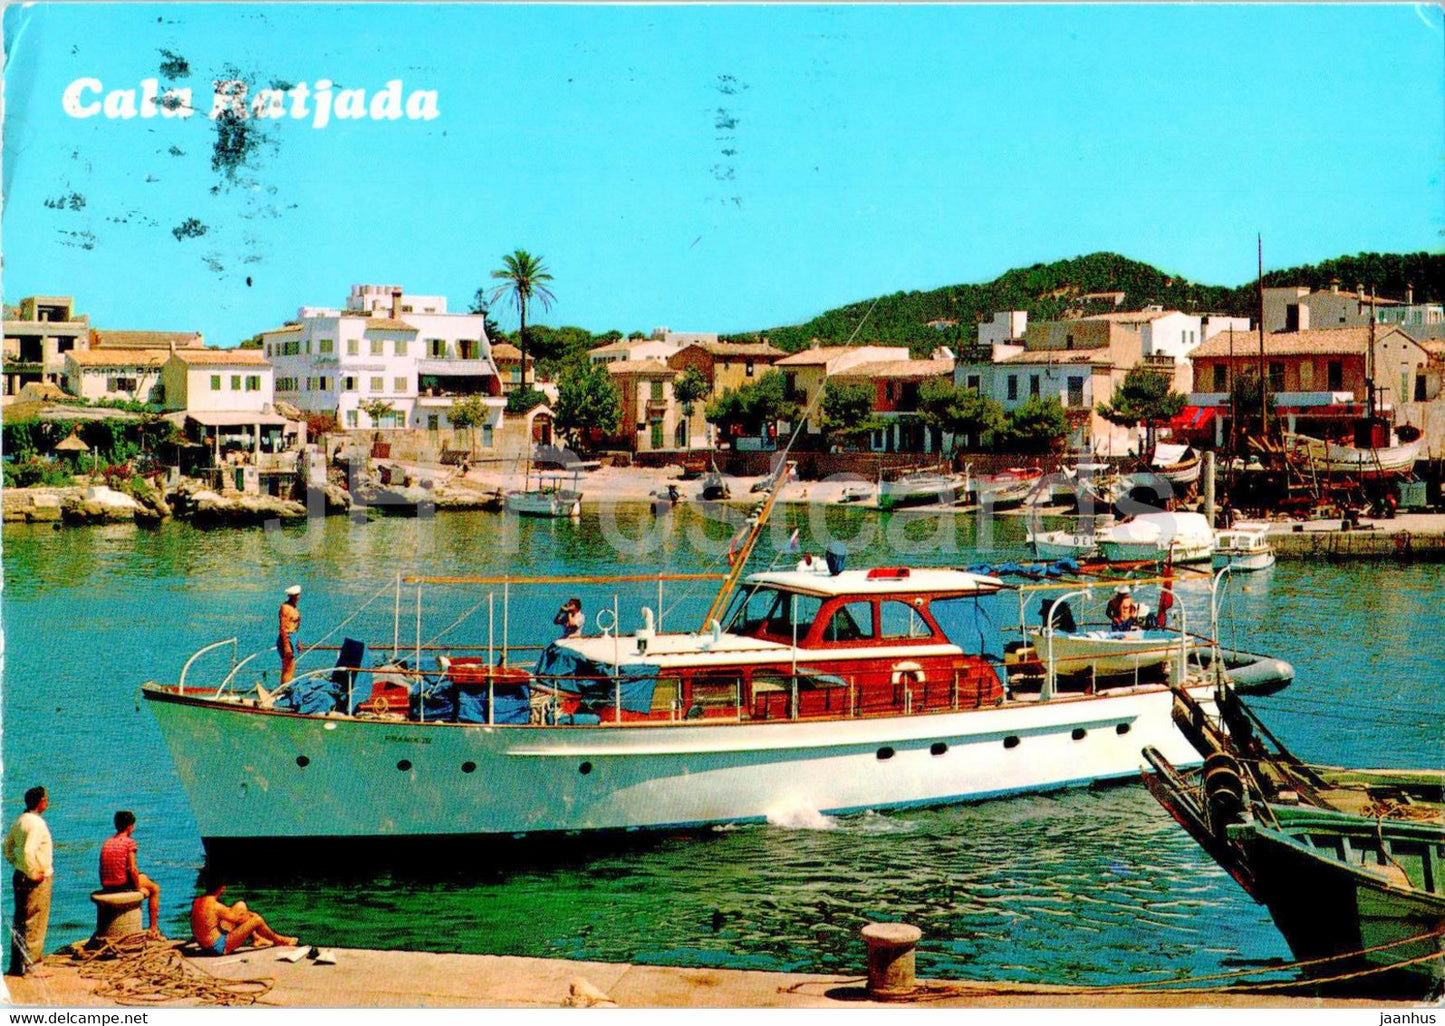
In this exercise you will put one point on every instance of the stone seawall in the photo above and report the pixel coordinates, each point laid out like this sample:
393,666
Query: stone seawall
1381,543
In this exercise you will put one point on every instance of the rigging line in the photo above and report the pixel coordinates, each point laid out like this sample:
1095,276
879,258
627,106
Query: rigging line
453,625
380,592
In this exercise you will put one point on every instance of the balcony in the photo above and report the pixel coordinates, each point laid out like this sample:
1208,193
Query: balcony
446,366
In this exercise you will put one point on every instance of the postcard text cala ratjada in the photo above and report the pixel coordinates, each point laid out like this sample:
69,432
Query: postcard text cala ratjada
318,103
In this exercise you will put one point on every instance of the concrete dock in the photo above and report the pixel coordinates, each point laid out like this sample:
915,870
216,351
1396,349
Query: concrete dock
364,979
1406,538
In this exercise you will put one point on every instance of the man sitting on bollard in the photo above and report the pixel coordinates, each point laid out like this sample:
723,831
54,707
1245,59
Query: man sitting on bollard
220,928
119,872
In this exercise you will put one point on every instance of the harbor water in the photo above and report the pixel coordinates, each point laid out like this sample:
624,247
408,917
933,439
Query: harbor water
1088,886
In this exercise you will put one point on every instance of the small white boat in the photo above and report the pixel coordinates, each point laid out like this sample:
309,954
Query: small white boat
1103,652
1177,464
1180,537
548,499
926,489
856,493
1063,544
1010,488
1243,549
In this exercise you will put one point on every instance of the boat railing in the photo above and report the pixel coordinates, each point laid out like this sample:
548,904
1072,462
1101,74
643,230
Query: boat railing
233,642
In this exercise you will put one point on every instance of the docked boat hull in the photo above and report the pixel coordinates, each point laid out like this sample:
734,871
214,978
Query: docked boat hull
543,504
1184,551
253,774
1244,562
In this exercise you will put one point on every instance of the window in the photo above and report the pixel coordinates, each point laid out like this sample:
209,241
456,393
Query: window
326,346
306,347
323,383
436,348
888,391
1306,375
378,346
215,382
348,384
1013,386
406,308
353,347
253,383
850,622
1420,389
1276,376
235,382
902,620
400,347
1335,375
1068,341
487,436
351,419
1033,384
972,382
433,422
655,390
748,368
120,384
400,384
1076,391
1221,377
378,383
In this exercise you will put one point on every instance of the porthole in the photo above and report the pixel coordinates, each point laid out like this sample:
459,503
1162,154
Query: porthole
1122,728
1010,742
585,768
937,748
1078,734
885,753
469,767
404,765
302,761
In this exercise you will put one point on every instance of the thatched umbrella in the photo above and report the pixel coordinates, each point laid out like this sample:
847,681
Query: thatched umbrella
72,444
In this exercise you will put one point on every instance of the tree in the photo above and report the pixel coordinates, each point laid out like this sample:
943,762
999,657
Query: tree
466,413
376,409
690,387
847,412
494,331
524,279
752,408
1145,396
588,402
1038,425
963,413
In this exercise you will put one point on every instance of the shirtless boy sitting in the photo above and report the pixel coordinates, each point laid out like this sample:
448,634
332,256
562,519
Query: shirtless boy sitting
220,928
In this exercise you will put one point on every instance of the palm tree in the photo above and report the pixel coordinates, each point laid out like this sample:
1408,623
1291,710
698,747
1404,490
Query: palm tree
524,278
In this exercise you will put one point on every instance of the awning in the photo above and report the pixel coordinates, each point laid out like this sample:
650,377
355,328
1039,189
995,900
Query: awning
233,418
1194,418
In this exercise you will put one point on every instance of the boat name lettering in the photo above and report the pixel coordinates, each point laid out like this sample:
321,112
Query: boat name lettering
407,740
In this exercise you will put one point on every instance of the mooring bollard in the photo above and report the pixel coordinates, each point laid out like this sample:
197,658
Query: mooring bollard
117,914
890,958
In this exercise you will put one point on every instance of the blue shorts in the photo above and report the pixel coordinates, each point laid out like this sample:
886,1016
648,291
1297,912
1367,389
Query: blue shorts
219,946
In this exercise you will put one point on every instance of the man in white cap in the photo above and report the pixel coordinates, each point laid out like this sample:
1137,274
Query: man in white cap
290,624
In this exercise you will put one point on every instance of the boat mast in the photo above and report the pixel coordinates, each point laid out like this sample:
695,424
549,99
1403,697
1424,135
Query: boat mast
1370,363
1263,392
740,562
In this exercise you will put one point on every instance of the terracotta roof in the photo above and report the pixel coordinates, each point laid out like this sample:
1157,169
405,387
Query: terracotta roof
285,328
222,357
638,367
1317,341
506,351
1130,316
144,339
813,357
386,324
118,357
752,350
901,369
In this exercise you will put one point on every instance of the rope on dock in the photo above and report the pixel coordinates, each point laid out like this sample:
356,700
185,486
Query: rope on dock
942,990
143,970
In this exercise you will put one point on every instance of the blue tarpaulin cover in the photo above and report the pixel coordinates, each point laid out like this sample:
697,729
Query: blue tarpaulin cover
316,696
566,671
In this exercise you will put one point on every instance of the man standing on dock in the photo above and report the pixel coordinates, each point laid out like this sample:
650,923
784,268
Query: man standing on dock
286,639
28,848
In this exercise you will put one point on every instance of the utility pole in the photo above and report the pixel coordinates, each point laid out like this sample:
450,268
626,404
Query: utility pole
1370,363
1263,391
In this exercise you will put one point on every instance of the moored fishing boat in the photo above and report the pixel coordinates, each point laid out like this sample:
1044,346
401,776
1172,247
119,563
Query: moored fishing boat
1243,549
1176,537
1007,489
1376,461
922,489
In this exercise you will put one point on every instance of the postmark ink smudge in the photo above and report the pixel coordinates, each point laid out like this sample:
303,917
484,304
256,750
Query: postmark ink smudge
174,66
190,228
69,201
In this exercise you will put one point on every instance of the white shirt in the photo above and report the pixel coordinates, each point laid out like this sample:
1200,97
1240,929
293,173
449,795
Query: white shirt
28,847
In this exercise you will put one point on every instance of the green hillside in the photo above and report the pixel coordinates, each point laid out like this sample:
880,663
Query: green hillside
1048,291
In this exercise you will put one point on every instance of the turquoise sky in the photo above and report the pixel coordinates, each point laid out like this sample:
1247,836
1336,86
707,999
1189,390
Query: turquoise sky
714,167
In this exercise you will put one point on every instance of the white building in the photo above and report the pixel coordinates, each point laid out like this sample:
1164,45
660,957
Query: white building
1214,324
131,375
386,346
1006,328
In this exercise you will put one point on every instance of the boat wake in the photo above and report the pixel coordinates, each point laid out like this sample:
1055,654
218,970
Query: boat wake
800,817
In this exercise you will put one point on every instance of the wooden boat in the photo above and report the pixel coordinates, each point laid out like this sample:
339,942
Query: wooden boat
1361,900
1334,458
1243,550
1177,464
1176,537
550,498
922,489
1007,489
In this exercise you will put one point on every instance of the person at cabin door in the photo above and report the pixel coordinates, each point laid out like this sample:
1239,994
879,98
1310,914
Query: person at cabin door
290,623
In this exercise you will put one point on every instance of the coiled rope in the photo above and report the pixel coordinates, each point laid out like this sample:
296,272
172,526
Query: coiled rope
143,970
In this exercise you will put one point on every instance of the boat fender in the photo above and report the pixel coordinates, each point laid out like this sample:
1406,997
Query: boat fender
908,669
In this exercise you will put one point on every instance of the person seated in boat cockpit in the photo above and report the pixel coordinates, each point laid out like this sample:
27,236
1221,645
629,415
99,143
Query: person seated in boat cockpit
1123,611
